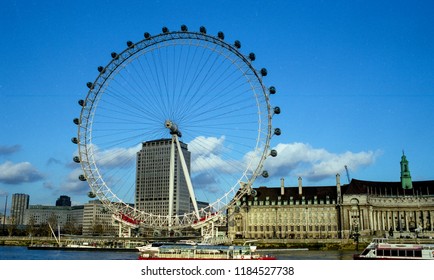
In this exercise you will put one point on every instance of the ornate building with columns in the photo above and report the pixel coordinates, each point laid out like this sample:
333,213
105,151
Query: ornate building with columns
368,208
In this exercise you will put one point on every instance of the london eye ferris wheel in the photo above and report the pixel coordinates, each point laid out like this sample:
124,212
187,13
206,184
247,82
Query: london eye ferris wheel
189,88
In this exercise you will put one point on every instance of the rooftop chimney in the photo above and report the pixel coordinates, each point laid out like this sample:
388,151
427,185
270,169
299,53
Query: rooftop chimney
338,186
282,186
299,186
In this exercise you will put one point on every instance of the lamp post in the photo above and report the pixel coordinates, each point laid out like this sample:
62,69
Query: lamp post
356,236
356,233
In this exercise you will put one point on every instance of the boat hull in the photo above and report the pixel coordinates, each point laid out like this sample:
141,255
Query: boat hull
383,249
358,257
157,258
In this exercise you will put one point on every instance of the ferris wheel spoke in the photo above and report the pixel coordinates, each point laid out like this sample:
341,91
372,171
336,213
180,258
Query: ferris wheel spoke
224,102
201,74
152,80
199,78
207,96
161,78
149,91
120,101
141,90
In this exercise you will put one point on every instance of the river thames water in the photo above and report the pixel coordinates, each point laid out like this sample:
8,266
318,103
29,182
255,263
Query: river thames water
22,253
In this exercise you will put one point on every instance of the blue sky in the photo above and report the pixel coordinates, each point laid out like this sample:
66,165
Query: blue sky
355,82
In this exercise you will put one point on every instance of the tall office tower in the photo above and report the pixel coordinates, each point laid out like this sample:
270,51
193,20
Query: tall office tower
152,178
63,200
20,202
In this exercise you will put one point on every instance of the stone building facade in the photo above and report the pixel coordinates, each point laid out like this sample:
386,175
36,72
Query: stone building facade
368,208
286,213
378,208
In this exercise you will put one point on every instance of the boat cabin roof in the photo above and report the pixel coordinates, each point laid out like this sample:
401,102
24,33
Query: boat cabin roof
205,247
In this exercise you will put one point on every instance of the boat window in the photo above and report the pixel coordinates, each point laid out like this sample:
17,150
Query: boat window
401,253
395,253
418,254
365,252
410,253
380,253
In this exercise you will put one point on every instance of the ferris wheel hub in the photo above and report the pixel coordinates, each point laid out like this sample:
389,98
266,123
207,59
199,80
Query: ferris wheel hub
173,128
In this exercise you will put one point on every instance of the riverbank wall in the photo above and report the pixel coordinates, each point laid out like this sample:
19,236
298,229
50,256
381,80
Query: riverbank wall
108,242
311,244
317,244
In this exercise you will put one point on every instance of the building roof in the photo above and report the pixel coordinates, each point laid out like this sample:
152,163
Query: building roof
389,188
320,192
355,187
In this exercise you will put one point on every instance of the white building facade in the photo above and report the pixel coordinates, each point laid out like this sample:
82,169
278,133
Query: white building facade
65,217
97,220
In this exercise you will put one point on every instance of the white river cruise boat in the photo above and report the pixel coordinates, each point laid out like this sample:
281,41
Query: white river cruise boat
382,249
178,251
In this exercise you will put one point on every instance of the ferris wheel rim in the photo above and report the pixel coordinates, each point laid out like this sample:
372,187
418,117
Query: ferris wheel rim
87,157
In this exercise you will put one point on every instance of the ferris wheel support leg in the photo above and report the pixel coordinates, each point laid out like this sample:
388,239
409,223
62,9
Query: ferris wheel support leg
171,180
124,230
187,177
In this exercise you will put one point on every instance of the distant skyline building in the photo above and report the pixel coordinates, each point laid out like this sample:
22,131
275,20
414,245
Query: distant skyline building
63,200
63,216
152,178
20,202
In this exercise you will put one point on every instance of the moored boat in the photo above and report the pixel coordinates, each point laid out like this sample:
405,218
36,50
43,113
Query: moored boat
199,252
382,249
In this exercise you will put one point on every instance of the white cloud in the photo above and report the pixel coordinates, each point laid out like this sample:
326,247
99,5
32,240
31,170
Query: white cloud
205,145
212,162
73,185
206,155
115,157
315,164
17,173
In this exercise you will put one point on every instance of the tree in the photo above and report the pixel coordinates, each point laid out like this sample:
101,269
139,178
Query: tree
31,230
72,227
52,221
12,226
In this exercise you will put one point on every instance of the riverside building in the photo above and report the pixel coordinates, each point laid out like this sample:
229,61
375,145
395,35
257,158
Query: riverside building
368,208
62,216
20,202
152,179
97,220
